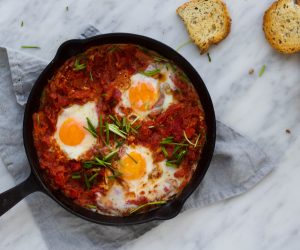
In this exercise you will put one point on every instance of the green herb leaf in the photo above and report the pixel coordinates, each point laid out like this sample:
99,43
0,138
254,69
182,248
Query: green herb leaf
116,174
93,177
208,56
180,156
78,66
147,204
262,70
150,72
22,24
171,164
87,183
107,132
91,129
113,49
91,206
113,128
163,149
75,176
30,47
100,125
110,155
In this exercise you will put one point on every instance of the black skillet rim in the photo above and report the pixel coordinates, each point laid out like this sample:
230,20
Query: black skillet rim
75,46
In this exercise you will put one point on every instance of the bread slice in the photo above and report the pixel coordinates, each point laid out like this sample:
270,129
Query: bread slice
207,21
282,26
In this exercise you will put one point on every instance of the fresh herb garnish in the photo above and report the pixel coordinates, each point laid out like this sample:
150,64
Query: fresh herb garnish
75,176
107,132
183,45
22,24
115,129
91,206
163,149
87,183
30,47
147,204
100,126
91,128
169,140
208,56
110,155
113,49
150,72
116,174
78,66
93,177
262,70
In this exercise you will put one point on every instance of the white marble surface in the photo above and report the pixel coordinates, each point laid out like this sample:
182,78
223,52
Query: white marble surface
261,108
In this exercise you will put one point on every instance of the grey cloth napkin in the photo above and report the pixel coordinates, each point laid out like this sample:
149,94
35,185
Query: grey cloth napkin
237,165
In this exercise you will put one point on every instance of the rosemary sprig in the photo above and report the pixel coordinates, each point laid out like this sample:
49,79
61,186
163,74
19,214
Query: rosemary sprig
78,66
150,72
147,204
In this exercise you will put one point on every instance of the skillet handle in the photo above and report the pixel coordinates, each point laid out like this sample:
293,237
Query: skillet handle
12,196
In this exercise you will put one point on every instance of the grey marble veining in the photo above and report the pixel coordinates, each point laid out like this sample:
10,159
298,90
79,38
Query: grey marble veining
261,108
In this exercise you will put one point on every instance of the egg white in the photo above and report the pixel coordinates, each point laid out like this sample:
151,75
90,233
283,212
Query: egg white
79,114
116,201
162,87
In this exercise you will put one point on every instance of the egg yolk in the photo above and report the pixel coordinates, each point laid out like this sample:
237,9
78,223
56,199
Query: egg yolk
71,132
132,166
142,96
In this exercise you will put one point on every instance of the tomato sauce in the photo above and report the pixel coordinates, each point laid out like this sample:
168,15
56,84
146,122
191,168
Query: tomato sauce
108,68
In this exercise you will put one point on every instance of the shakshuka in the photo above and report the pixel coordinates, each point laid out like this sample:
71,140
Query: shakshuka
119,130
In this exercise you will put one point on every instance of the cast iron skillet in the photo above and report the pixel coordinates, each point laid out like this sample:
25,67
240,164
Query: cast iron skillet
35,182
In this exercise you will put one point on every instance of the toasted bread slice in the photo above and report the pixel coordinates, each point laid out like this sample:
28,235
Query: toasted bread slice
207,21
282,26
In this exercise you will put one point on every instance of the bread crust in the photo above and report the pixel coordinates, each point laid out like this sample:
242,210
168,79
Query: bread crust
279,22
204,44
